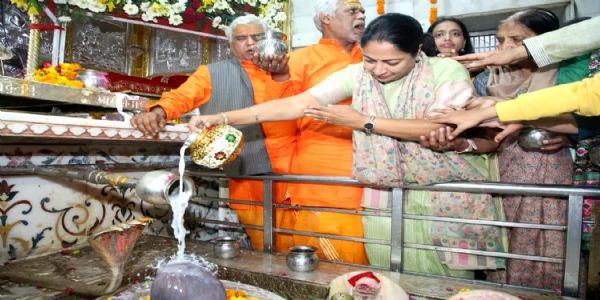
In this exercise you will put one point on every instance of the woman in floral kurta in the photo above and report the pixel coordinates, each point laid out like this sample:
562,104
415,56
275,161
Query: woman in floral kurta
394,89
550,165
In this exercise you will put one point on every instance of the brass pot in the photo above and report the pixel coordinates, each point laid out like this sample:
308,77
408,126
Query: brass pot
302,259
226,247
160,187
273,44
215,146
533,138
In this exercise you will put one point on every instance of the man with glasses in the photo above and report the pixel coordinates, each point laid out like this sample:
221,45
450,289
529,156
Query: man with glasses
233,84
324,149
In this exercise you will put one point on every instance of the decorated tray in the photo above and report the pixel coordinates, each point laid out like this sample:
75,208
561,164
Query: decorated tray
141,291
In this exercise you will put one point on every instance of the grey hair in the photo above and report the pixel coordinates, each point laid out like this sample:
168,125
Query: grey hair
244,20
325,7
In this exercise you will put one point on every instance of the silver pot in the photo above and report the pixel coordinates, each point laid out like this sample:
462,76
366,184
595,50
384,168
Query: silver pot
533,138
226,247
93,78
595,155
160,187
302,259
273,44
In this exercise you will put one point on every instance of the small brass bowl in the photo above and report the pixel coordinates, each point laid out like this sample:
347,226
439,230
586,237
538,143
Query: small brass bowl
533,138
216,146
302,259
273,44
226,247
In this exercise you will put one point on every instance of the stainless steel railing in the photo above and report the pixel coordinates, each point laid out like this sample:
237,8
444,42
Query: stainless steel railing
574,197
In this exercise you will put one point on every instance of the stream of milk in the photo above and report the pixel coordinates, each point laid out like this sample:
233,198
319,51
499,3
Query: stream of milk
179,204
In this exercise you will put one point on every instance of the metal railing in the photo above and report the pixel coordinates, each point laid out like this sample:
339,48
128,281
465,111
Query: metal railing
574,197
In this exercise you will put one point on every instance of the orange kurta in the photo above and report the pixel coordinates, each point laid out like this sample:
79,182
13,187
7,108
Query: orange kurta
280,138
325,149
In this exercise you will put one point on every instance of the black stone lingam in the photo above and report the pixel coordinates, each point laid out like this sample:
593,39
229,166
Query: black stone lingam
183,280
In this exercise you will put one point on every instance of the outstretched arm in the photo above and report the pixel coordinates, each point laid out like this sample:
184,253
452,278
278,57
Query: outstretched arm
277,110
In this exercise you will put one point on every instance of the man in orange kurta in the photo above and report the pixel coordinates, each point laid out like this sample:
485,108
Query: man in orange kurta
325,149
279,137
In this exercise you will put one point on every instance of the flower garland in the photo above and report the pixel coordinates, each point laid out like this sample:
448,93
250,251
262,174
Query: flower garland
380,7
220,12
433,11
63,74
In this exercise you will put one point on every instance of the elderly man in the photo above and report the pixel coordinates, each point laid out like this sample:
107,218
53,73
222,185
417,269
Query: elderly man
325,149
232,84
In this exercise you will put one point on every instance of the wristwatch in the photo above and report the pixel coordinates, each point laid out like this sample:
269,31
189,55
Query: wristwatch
369,125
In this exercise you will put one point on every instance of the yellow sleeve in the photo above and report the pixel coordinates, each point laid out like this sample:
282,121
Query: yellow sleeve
195,91
582,97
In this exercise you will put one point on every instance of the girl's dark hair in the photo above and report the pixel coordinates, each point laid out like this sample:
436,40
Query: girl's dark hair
468,48
538,20
429,45
402,31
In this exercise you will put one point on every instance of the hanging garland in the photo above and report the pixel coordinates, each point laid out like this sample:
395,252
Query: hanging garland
380,7
432,11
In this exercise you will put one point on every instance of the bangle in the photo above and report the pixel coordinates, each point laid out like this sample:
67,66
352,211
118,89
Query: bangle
254,113
225,119
529,56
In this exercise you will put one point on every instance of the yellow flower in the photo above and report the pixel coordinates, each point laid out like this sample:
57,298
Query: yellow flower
33,11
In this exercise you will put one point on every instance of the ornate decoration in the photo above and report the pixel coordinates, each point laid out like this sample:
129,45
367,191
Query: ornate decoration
75,221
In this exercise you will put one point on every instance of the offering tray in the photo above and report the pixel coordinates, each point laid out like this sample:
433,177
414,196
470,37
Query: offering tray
142,291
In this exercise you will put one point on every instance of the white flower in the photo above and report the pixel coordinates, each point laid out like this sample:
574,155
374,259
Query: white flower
97,7
131,9
147,16
60,2
223,27
175,20
280,17
216,21
264,1
64,19
251,2
145,5
178,7
221,4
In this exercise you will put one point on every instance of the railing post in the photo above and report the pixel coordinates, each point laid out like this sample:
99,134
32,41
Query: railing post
396,233
268,215
573,246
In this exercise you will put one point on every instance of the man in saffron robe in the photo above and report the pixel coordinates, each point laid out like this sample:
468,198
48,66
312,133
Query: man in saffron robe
236,83
324,149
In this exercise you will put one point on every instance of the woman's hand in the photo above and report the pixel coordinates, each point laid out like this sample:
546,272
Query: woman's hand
494,58
439,140
342,115
554,144
197,123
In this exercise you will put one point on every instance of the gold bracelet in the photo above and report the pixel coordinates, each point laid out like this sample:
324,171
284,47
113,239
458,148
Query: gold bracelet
254,113
225,119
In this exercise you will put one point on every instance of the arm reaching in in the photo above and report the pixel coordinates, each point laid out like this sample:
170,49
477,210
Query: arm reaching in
477,61
151,122
277,110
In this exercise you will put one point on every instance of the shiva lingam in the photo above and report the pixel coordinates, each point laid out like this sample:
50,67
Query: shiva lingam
113,245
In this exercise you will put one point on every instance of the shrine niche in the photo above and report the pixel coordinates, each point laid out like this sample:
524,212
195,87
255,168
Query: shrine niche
141,39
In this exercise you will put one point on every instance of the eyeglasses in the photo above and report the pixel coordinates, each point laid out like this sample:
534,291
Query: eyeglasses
255,37
442,34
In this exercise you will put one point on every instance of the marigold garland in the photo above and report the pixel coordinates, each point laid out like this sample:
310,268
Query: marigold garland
380,7
433,11
63,74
